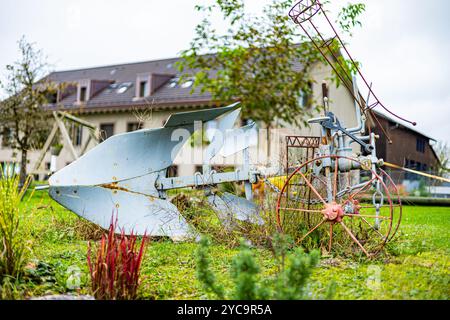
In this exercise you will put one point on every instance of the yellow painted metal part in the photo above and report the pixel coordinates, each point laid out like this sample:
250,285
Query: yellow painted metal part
416,172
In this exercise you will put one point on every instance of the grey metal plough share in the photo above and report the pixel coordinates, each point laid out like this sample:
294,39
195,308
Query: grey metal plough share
127,173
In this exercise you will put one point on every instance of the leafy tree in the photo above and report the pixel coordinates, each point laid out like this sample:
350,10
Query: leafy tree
257,59
23,121
443,153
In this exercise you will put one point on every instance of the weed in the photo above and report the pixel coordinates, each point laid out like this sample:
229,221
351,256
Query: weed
12,244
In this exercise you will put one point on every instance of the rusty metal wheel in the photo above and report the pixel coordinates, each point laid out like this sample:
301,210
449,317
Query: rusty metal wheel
397,205
321,207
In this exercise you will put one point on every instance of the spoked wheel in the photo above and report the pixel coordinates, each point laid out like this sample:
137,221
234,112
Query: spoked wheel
321,207
397,205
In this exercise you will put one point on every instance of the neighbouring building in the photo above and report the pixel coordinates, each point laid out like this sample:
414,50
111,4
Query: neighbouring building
126,97
442,191
410,148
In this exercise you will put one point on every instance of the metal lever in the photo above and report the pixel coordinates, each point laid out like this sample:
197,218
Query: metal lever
366,146
332,123
319,120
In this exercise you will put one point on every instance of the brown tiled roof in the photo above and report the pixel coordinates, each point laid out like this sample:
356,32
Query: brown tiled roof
122,74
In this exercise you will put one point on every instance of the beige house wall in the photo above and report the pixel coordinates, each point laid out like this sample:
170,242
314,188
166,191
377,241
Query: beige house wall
341,104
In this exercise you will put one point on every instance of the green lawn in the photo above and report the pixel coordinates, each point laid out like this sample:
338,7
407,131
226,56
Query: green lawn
416,266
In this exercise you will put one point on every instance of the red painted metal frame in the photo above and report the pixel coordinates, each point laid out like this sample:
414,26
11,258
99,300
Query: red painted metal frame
305,12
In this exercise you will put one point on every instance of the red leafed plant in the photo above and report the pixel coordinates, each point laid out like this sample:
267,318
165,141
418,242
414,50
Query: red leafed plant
115,268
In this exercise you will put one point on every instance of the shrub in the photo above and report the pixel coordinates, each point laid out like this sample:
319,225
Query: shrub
288,283
11,289
12,244
115,268
204,273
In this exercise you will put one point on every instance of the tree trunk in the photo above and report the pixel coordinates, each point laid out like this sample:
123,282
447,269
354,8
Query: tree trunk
23,167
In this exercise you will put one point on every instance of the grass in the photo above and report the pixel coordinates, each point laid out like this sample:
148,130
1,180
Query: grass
416,266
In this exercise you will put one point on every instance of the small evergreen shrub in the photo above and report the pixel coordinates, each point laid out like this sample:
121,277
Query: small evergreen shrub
290,282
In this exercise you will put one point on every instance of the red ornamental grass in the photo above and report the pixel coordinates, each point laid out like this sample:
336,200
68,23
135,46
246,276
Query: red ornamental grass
115,269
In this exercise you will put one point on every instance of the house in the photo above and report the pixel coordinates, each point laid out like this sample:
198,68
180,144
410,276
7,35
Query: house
409,148
126,97
442,191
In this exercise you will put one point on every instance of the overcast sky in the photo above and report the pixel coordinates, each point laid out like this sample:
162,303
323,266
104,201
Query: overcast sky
404,45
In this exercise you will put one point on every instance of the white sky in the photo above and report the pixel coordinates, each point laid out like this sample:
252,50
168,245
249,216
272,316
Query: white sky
404,45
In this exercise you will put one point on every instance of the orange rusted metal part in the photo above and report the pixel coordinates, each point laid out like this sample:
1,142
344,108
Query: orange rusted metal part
114,186
333,212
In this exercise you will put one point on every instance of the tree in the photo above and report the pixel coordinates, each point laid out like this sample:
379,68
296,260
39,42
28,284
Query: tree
23,120
443,153
255,60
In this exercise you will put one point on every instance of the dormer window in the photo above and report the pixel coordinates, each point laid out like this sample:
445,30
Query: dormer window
83,91
142,85
148,83
143,92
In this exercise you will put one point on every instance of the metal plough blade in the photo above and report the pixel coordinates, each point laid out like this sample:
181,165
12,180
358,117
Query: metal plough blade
135,212
230,207
219,133
121,173
239,139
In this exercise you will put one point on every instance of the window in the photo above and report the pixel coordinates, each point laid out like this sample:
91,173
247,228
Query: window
199,169
122,88
304,98
106,130
418,166
414,165
133,126
173,82
52,97
83,91
187,83
172,171
142,89
420,145
113,86
76,134
7,137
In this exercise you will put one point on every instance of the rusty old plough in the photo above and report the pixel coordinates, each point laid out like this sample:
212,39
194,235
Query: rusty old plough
321,202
